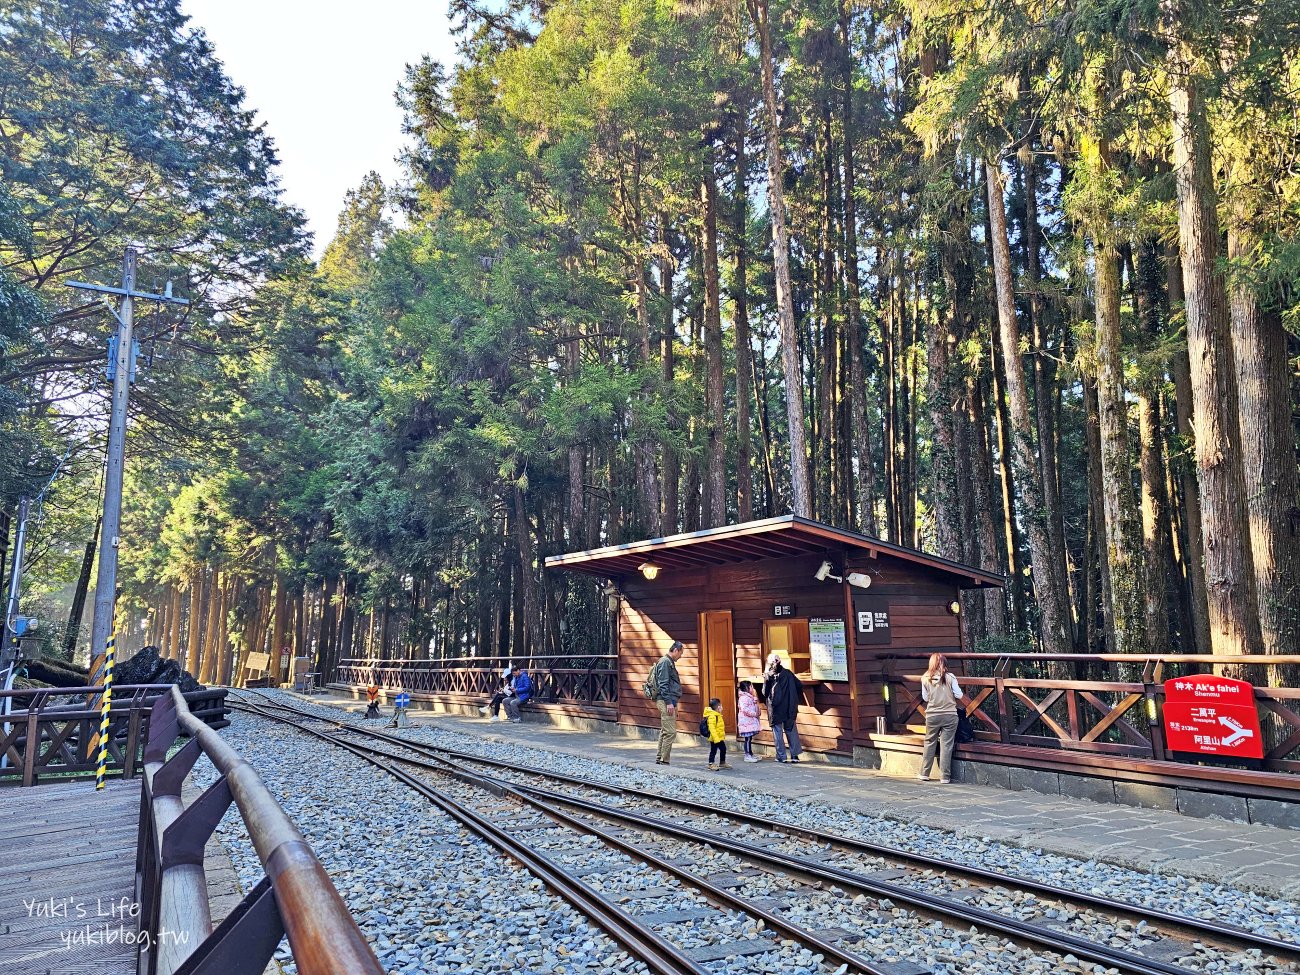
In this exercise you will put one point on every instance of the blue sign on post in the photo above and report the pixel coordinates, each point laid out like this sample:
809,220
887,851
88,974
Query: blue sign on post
402,701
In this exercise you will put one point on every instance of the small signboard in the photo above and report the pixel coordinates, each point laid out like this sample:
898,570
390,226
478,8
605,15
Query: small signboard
871,620
783,610
1209,715
828,649
402,700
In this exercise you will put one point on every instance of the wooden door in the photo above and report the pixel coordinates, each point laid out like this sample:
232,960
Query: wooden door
718,664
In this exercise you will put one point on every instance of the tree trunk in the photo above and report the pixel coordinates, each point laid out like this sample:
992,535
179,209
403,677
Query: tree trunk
173,649
214,644
800,489
859,426
1268,459
1194,561
1043,371
1119,507
527,581
1007,491
1230,589
995,602
1156,544
672,465
1100,587
715,430
195,628
744,352
1048,588
944,393
78,608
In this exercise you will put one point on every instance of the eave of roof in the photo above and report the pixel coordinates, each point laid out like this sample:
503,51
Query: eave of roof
785,535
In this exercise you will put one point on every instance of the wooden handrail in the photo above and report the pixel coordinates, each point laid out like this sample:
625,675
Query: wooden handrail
296,897
1251,660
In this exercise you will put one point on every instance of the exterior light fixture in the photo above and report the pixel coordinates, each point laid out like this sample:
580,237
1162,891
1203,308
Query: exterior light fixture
954,607
824,572
885,693
859,579
649,569
1151,710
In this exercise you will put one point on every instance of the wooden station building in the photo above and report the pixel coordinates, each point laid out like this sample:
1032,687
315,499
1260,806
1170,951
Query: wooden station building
830,602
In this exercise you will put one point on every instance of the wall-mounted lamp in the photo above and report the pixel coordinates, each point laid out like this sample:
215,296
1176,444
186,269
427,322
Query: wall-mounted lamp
859,579
649,569
824,573
954,607
885,692
1151,710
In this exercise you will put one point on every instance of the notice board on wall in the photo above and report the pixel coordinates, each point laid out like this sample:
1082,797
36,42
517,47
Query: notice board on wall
828,649
871,620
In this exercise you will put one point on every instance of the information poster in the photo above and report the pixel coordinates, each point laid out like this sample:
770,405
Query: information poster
1209,715
871,620
828,649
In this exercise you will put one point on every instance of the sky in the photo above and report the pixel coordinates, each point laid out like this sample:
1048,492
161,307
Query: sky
321,76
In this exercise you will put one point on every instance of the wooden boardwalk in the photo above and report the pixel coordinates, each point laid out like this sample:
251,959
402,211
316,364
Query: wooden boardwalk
67,877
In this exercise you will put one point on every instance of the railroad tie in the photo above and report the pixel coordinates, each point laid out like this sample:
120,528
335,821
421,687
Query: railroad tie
901,968
676,915
1167,950
731,949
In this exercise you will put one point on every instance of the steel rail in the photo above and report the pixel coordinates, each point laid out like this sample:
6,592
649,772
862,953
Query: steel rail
1224,934
656,953
719,895
931,904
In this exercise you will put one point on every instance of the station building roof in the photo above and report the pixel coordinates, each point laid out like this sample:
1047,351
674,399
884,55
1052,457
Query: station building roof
752,541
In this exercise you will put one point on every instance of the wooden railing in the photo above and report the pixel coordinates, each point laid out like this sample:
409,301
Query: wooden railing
294,898
1014,701
52,732
584,681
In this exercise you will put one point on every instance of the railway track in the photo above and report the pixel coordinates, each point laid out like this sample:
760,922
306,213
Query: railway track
633,823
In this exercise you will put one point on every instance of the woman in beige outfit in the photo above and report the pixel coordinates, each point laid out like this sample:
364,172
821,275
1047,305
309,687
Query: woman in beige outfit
941,693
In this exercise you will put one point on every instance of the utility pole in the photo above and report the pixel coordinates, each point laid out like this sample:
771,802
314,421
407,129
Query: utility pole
123,365
9,650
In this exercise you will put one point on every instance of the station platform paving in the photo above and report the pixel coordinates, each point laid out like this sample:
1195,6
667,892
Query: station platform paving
1265,859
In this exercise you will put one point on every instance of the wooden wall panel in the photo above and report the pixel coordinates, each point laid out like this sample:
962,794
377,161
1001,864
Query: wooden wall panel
656,613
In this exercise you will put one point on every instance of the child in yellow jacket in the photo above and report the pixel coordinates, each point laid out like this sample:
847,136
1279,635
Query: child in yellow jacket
717,735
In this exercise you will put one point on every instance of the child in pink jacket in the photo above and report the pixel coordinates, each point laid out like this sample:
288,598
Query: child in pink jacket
747,721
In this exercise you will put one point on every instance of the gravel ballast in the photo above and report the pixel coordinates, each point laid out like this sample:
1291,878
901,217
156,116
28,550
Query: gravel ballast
451,903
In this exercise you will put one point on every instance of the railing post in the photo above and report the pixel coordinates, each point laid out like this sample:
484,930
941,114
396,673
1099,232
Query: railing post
33,748
245,941
1004,711
131,753
1151,692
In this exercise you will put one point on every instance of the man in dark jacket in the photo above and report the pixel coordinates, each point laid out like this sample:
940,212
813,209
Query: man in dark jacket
667,686
783,691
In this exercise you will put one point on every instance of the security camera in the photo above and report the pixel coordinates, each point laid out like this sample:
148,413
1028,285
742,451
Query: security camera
859,579
824,573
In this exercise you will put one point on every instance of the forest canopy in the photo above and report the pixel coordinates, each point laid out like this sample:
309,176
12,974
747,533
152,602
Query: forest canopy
1014,284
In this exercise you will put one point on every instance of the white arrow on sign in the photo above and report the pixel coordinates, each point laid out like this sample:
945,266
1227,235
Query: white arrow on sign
1238,732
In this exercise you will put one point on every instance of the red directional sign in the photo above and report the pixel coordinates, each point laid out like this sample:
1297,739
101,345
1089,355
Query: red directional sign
1212,715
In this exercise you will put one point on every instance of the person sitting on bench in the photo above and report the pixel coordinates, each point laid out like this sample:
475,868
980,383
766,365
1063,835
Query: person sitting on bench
502,692
522,686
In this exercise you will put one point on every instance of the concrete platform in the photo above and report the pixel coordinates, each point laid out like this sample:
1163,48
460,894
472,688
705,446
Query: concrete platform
67,878
1261,858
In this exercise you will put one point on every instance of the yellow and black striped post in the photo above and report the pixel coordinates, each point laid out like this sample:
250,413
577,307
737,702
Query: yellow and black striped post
105,702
